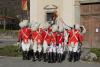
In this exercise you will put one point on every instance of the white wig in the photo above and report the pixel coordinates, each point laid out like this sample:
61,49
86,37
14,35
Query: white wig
23,23
61,29
67,27
55,28
35,26
42,25
46,25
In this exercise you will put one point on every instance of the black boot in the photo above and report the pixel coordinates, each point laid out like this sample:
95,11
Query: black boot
34,58
50,57
44,57
78,56
23,54
63,56
75,56
39,56
29,55
70,56
59,57
54,57
26,55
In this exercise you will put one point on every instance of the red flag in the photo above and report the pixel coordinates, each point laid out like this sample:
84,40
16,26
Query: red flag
24,4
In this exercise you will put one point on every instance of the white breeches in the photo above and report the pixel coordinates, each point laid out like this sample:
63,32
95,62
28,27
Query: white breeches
39,48
52,48
25,46
45,46
73,47
36,47
60,49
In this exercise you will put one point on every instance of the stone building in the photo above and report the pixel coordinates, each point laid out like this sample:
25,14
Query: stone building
85,12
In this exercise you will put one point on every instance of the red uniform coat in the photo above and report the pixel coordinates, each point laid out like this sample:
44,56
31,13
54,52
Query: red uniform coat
49,29
75,36
24,34
53,40
60,38
43,33
36,35
48,38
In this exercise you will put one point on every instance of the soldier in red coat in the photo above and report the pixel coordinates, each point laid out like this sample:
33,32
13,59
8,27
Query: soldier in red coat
46,40
34,32
51,40
60,44
47,43
82,32
24,38
54,44
37,42
73,42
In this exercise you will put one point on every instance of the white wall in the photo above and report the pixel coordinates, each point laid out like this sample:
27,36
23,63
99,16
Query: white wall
67,9
71,12
68,12
33,11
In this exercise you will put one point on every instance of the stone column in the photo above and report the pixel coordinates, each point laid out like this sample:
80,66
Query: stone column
77,11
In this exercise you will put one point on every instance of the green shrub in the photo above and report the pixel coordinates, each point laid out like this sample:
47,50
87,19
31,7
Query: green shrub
12,51
97,52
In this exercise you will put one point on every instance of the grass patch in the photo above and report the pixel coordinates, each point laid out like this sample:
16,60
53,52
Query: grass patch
97,52
12,51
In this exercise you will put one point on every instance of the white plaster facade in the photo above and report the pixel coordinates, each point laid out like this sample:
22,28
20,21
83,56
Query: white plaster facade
68,10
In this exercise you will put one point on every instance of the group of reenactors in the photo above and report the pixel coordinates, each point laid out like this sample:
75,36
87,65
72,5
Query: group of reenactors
50,41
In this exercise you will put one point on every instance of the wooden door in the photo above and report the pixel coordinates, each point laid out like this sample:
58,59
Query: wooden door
90,18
